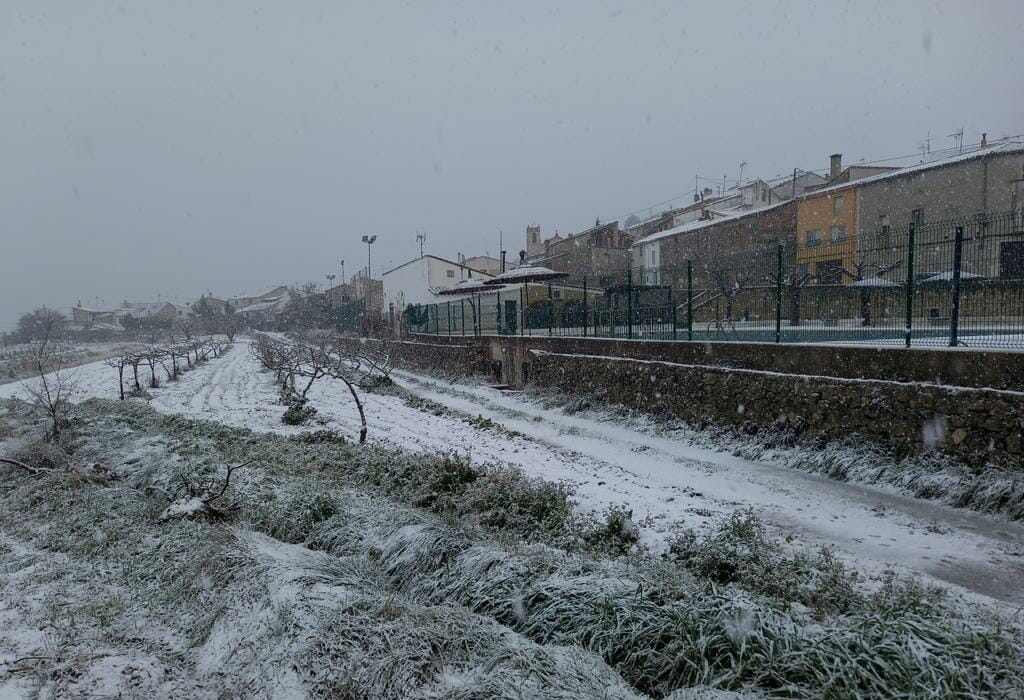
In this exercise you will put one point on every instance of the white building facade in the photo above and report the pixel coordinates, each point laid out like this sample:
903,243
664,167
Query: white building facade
418,281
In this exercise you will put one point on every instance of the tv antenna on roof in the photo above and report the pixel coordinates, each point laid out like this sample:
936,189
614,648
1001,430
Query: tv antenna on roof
959,136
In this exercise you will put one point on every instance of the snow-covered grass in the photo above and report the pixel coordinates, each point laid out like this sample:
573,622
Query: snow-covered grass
667,475
331,582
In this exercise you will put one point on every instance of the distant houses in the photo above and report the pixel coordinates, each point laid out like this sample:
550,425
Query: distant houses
841,224
846,225
87,318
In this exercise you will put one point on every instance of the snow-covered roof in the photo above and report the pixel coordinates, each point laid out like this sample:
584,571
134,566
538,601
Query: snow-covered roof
948,276
436,257
526,273
1001,148
466,286
719,217
873,282
262,292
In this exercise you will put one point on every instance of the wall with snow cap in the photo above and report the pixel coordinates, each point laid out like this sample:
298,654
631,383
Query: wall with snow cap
436,355
960,366
978,425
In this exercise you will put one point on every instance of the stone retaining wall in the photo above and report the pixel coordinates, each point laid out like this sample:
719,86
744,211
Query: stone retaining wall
446,357
975,424
961,367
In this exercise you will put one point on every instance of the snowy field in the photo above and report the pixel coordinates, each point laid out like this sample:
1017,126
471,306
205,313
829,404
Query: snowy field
666,478
415,567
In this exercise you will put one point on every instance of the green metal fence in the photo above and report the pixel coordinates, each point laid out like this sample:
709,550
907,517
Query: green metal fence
957,282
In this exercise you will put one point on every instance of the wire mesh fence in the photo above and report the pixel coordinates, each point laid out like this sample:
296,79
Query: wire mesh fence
957,282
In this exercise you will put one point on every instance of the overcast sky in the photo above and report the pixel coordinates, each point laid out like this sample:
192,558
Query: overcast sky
173,148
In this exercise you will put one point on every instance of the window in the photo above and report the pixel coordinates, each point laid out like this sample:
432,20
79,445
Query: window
1011,260
830,272
883,224
814,236
917,217
837,233
451,274
838,205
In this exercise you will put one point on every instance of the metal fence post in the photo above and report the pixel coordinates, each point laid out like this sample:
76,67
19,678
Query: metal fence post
689,300
497,317
778,294
437,320
586,306
522,309
462,309
910,284
672,303
629,303
551,311
448,310
954,311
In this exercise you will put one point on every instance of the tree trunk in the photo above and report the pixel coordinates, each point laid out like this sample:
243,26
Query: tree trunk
120,380
359,406
865,307
794,306
308,385
135,371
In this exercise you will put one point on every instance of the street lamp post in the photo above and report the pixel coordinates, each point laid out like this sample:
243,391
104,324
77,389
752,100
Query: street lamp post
343,272
368,240
330,280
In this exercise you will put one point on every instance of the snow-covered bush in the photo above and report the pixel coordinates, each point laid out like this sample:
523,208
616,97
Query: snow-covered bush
740,551
615,534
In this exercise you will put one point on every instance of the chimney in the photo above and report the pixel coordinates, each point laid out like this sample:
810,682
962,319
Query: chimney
984,140
835,165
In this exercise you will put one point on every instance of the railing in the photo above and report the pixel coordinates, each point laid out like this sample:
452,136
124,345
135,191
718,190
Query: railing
958,282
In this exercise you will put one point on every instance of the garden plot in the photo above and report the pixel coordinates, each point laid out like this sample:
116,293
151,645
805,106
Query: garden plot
668,481
367,572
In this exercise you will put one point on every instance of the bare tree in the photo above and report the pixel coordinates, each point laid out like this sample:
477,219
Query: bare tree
729,282
858,276
56,378
794,281
315,356
118,362
199,498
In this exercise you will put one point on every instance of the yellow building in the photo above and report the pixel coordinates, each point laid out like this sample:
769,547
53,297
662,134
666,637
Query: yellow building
826,232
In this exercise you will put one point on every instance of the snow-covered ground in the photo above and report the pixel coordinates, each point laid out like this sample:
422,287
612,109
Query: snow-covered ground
665,479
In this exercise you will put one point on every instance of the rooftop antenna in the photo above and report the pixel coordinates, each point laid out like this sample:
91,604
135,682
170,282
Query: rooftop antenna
925,147
959,136
420,237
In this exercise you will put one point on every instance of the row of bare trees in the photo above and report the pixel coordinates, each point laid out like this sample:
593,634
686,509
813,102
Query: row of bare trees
300,361
172,358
